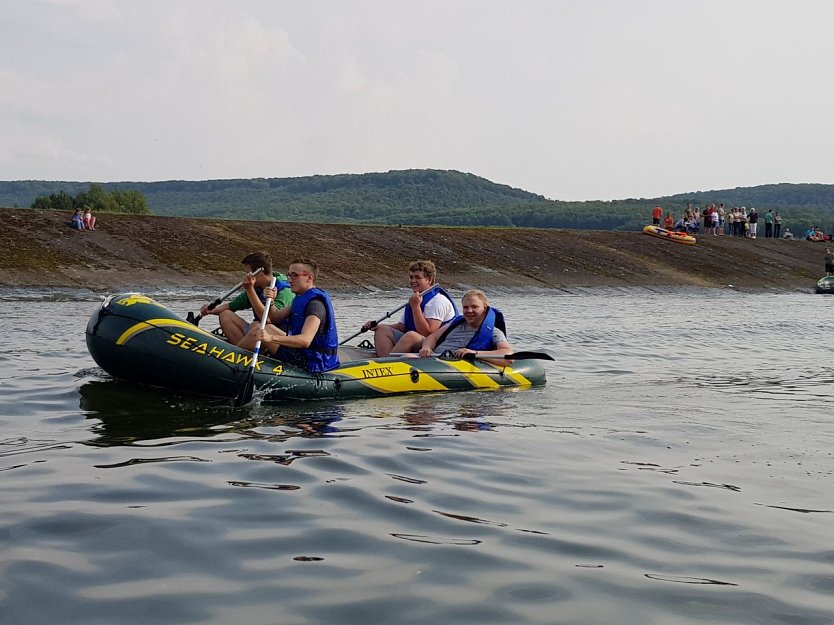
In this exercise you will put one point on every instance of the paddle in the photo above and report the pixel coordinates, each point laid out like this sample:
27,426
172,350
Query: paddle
470,357
195,319
388,314
247,389
515,356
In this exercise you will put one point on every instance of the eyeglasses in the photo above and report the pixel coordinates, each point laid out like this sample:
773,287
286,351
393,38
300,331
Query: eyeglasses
295,274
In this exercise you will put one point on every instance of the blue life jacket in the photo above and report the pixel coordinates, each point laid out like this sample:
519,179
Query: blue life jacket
260,293
408,315
482,341
322,355
279,284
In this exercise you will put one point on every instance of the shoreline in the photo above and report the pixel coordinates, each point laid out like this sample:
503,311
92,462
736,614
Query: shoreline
127,252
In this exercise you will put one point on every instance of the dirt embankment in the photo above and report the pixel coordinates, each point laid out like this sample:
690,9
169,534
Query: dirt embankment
130,252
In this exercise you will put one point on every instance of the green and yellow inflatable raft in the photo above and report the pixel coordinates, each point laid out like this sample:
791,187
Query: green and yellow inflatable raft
134,338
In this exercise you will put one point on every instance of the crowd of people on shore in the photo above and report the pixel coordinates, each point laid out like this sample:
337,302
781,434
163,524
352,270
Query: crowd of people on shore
295,320
83,221
738,221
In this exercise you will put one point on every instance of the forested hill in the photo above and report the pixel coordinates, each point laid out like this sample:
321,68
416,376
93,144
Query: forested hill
427,197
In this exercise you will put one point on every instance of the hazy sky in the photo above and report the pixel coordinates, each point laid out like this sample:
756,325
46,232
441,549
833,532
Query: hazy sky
573,99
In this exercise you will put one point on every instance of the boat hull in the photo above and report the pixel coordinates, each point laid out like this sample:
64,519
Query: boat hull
134,338
669,235
825,285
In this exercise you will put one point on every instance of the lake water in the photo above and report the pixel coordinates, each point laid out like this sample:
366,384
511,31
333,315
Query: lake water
676,469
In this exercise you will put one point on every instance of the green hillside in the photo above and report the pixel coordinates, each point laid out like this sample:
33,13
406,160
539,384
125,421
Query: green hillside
422,197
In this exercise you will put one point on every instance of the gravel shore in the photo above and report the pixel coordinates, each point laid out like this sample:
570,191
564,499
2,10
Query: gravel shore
130,252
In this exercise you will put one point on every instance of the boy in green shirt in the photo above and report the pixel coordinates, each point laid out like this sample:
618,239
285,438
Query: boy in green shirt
233,326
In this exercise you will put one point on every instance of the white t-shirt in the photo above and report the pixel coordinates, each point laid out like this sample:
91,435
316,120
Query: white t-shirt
439,307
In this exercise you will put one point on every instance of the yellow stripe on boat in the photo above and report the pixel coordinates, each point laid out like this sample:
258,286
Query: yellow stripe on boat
391,377
514,375
476,377
157,323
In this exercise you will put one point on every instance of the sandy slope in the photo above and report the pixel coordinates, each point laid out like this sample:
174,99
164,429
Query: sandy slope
128,252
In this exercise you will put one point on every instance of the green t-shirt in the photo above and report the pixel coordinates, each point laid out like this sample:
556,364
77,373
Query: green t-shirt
282,299
769,218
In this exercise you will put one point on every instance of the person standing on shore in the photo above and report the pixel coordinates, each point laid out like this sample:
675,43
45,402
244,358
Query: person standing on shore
753,220
769,224
777,225
829,262
657,213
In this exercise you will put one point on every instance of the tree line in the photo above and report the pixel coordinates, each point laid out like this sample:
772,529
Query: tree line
96,199
412,197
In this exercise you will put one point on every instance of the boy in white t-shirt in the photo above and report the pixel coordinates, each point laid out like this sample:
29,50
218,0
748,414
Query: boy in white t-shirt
428,308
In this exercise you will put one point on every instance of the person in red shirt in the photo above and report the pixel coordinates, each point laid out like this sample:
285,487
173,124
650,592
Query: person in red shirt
670,221
657,213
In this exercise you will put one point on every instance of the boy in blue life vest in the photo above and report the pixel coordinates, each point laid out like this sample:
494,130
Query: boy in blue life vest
311,341
237,331
480,331
428,308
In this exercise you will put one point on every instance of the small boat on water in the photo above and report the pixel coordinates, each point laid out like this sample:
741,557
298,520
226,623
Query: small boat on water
669,235
132,337
825,285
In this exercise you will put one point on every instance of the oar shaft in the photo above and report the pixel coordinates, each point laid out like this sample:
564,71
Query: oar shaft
195,319
247,389
218,301
524,355
264,321
387,315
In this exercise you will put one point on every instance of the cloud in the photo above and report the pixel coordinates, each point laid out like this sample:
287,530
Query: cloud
574,100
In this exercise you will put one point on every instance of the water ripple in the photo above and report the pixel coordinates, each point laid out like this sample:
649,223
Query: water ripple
672,471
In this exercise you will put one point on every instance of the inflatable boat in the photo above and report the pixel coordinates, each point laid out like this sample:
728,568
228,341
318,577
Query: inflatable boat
825,285
669,235
132,337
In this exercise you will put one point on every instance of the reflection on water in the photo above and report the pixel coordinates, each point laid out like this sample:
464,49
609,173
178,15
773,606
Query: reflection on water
676,469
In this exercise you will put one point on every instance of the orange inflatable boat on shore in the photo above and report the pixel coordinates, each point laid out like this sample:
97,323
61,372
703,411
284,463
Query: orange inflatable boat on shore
669,235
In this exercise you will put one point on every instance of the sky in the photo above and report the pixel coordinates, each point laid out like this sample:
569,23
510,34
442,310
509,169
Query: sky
571,99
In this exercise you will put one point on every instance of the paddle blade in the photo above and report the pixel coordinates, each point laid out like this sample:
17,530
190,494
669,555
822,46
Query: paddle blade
542,355
192,318
247,390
